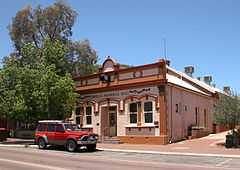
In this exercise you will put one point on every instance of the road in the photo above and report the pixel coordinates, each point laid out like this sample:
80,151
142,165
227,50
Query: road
14,158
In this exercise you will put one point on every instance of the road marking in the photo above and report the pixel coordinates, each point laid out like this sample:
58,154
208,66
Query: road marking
223,162
171,153
32,164
179,148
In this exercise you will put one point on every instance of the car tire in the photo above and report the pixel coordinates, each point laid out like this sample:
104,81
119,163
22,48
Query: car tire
71,145
42,144
91,147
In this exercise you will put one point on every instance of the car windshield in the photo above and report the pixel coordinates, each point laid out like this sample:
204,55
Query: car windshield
71,127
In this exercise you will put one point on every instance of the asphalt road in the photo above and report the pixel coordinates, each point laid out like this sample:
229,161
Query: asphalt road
13,158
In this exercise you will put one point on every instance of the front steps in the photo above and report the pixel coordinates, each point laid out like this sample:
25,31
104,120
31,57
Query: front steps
110,140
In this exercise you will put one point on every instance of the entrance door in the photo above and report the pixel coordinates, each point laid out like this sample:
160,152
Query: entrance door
112,114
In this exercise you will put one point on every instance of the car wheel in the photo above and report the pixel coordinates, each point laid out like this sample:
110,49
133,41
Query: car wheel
71,145
91,148
42,144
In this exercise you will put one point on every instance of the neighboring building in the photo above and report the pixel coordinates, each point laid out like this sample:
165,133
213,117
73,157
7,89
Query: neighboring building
151,103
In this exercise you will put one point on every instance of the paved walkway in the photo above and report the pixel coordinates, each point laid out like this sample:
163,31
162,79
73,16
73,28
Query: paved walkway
212,144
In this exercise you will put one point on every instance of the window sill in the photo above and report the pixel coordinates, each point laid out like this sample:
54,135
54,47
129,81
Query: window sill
142,126
88,126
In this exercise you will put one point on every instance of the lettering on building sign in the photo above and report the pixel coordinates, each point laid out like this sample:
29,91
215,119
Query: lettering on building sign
116,94
140,91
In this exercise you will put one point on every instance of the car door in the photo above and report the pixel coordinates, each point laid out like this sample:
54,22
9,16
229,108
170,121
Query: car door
60,135
51,133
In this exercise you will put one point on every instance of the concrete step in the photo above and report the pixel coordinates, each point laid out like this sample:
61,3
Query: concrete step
110,140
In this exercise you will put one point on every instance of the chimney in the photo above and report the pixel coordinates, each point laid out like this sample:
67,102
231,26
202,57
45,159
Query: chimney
207,79
189,70
227,89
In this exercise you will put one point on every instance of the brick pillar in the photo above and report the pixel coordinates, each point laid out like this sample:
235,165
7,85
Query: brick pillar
163,116
81,116
162,102
139,114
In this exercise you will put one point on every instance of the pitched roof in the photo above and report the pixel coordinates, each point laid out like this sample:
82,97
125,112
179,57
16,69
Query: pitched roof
191,83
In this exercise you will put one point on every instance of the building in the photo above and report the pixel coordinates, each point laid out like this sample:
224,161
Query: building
151,103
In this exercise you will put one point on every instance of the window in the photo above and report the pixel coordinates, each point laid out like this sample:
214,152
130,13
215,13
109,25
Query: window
59,128
148,112
51,128
196,115
186,108
79,110
41,128
205,117
79,114
133,109
78,120
69,127
89,115
177,109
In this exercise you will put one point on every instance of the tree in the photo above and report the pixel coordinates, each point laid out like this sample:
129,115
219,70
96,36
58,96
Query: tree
227,110
54,22
33,88
34,26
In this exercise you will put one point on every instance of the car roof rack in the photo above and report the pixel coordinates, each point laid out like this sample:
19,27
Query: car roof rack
50,121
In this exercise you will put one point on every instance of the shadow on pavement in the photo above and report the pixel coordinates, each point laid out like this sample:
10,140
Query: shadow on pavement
62,148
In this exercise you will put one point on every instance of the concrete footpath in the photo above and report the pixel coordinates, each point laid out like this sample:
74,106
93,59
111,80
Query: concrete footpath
212,145
209,145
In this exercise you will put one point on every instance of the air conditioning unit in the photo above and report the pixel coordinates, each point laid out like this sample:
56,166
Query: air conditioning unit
227,89
189,70
207,79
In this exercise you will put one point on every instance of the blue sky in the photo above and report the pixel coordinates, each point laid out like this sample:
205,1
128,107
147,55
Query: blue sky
204,33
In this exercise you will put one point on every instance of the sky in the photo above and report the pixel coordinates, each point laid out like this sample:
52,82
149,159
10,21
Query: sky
203,33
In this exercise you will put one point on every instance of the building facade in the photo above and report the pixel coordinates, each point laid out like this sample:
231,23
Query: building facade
151,103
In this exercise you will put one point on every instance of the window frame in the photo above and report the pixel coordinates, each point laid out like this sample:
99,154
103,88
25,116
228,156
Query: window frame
133,113
197,116
53,125
205,115
79,115
58,125
147,112
44,128
177,107
88,115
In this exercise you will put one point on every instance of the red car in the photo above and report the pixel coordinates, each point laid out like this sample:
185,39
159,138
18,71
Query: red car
65,134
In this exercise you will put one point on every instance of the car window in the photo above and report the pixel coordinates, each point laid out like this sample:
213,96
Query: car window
59,128
41,127
51,128
71,127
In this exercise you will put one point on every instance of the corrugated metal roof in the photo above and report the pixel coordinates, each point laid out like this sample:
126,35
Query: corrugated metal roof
178,81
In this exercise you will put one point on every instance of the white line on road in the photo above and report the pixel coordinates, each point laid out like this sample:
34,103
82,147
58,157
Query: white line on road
223,162
171,153
32,164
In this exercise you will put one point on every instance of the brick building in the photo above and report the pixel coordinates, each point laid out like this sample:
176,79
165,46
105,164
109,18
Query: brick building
152,103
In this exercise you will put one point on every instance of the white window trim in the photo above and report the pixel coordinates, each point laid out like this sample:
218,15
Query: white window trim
153,113
85,116
88,126
129,113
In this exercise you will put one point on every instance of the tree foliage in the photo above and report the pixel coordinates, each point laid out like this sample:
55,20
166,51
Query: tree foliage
54,22
33,88
227,110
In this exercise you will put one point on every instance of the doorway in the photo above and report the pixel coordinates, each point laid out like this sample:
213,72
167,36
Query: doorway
112,116
109,121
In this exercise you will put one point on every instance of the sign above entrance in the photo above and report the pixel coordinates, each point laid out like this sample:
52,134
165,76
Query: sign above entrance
121,94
